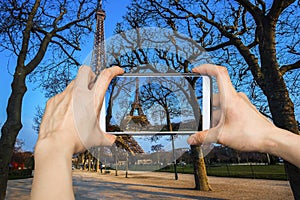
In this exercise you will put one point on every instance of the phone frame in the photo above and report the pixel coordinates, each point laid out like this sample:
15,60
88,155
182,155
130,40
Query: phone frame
206,104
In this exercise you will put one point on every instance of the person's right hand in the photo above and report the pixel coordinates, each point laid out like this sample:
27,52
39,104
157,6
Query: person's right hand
71,119
236,122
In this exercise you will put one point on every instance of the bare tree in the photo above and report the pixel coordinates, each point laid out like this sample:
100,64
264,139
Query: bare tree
28,29
147,50
152,50
154,93
157,148
37,119
255,39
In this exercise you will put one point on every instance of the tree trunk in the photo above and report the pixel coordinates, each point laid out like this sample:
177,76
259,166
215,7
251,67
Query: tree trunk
89,162
98,160
201,181
82,160
282,110
274,87
11,127
116,161
169,124
109,108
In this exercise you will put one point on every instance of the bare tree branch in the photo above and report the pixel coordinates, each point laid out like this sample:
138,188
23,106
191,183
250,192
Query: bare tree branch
286,68
75,22
277,7
47,39
63,11
40,54
254,10
69,55
26,34
66,41
244,50
263,5
219,46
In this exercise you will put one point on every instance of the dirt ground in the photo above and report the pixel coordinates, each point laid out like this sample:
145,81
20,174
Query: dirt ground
153,185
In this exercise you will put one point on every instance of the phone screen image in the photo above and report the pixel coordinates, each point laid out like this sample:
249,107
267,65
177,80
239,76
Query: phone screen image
157,104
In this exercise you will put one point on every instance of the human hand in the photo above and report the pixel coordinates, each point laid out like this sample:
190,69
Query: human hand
71,119
236,122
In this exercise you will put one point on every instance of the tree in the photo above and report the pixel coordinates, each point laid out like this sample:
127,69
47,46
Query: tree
154,93
20,157
37,119
255,39
150,50
18,146
29,29
157,148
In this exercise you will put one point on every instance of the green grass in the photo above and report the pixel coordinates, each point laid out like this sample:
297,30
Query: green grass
275,172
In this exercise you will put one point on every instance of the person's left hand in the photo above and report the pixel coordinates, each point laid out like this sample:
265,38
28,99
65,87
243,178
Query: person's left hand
71,118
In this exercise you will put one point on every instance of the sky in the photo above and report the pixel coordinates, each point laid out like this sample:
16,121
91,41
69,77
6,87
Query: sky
115,9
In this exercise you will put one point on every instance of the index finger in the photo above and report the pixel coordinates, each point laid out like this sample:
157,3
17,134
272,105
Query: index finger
102,84
223,80
84,76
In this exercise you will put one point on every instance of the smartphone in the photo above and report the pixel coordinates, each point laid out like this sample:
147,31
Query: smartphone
157,104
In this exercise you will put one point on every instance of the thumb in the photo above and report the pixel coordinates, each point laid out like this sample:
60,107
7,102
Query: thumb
108,139
100,138
204,137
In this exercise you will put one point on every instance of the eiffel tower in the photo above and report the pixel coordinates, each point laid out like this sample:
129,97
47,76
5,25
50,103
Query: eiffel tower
99,55
136,106
98,63
136,120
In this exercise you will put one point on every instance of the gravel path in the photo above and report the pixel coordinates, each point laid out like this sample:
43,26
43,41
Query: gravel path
150,185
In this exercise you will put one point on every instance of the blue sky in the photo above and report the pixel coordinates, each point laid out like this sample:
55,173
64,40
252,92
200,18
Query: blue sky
115,9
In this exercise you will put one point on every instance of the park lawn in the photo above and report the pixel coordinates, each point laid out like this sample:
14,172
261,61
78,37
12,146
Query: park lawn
274,172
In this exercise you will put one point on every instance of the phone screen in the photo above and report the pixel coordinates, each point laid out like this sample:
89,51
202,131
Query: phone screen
164,104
